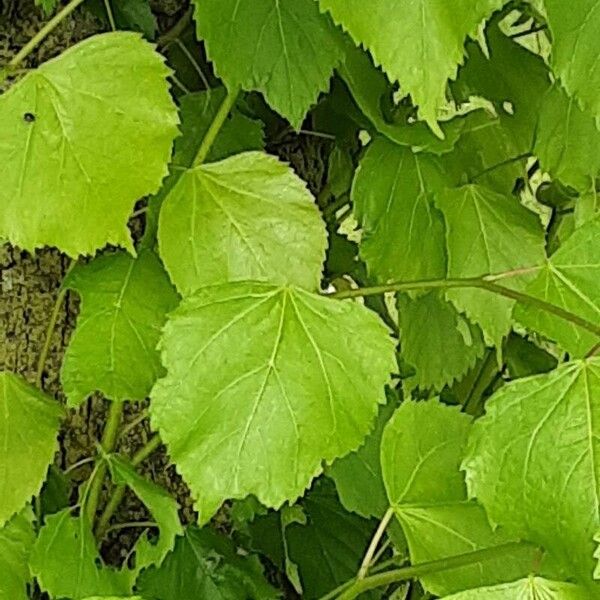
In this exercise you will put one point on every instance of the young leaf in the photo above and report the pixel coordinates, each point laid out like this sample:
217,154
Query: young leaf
264,384
67,564
246,217
532,462
569,280
284,48
197,111
575,30
205,564
532,588
438,341
59,188
403,233
427,490
16,540
420,44
328,549
162,507
29,422
567,141
125,301
357,476
487,233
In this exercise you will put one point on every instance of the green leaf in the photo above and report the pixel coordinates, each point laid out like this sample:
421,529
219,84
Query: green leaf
512,78
283,48
125,301
246,217
427,490
29,422
56,492
488,233
371,89
567,142
115,598
569,280
329,548
403,233
66,562
357,476
532,462
58,188
575,31
135,15
268,535
445,530
524,358
16,540
264,384
205,564
197,111
532,588
424,467
438,341
162,507
420,44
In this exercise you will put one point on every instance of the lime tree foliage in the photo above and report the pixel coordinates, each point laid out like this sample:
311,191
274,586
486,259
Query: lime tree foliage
384,384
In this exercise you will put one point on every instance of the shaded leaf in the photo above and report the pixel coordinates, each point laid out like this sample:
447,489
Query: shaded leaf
205,564
357,476
420,44
403,233
329,548
438,341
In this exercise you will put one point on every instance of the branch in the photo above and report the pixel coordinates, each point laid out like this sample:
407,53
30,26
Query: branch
484,283
383,579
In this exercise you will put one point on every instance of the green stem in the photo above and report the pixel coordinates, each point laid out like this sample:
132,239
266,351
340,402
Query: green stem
503,163
366,563
215,126
30,46
109,441
480,283
51,326
361,586
109,14
119,491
